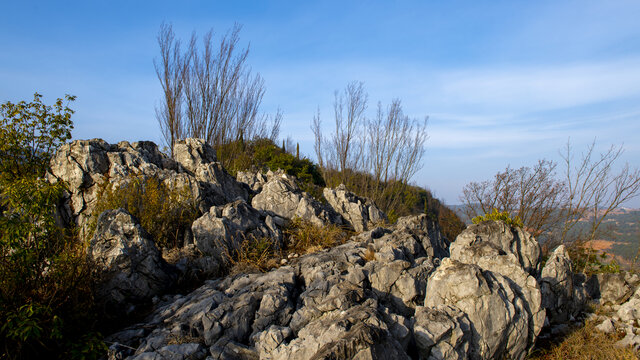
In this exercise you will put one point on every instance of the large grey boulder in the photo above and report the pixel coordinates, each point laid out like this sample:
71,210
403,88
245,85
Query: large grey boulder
611,288
191,153
497,311
506,239
428,231
358,212
629,312
255,180
130,266
224,228
282,197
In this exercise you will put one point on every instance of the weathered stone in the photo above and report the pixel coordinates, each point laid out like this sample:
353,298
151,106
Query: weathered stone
613,288
427,232
629,312
442,332
358,212
130,265
506,239
223,228
191,153
499,316
556,284
606,326
87,164
255,180
282,197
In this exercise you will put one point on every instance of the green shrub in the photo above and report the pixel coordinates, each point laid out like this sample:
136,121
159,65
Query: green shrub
29,134
164,212
496,215
46,301
263,155
589,261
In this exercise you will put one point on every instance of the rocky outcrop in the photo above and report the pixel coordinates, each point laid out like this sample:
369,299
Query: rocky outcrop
358,212
130,267
442,332
254,180
86,164
282,197
390,293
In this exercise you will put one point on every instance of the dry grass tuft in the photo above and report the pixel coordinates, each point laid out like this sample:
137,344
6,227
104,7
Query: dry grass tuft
587,343
304,237
370,254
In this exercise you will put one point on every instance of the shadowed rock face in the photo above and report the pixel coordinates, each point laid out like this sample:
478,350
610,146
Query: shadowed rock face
227,226
131,267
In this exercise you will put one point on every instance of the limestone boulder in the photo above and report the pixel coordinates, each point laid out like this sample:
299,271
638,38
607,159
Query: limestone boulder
130,267
282,197
556,284
224,228
499,314
442,332
505,238
358,212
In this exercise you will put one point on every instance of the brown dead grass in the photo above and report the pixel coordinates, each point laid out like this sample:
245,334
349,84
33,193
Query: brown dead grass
587,343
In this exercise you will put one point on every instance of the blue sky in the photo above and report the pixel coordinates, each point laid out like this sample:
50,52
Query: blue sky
503,82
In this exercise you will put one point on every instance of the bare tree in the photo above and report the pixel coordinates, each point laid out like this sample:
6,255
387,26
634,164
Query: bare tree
553,206
211,93
532,194
316,127
349,107
374,157
170,71
395,146
595,189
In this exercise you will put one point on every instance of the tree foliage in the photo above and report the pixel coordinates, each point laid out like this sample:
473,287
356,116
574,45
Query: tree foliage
45,287
30,133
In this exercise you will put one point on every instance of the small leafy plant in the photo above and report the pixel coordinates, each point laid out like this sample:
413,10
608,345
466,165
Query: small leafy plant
496,215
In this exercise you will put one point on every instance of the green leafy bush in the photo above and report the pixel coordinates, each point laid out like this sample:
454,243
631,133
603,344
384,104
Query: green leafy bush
46,300
263,155
496,215
589,261
164,212
30,133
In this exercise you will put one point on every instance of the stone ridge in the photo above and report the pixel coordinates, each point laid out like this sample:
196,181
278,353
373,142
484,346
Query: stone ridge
398,291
